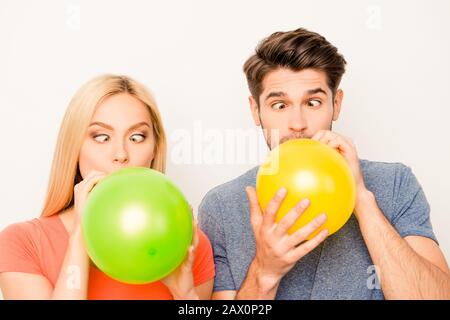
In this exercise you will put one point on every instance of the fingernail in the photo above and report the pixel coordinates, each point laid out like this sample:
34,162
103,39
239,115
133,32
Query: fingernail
324,232
282,192
304,203
321,218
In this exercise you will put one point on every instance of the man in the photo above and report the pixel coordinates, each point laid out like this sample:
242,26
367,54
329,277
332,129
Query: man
294,82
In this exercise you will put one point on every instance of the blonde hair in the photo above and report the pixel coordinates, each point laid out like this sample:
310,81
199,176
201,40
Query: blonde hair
64,171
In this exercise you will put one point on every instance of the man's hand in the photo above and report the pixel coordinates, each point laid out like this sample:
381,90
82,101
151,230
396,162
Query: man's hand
347,149
276,250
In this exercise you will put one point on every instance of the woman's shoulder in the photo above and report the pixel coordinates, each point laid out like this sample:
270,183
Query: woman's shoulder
19,247
204,248
23,244
29,231
19,231
203,268
203,239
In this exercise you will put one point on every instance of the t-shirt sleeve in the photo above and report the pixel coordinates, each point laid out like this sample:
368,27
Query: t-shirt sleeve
411,208
203,268
210,221
18,250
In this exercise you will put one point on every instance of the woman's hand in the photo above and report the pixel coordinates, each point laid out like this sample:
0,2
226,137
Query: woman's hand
81,192
181,281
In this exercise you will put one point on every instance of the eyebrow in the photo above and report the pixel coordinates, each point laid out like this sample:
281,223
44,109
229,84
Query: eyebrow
107,126
283,94
275,94
316,90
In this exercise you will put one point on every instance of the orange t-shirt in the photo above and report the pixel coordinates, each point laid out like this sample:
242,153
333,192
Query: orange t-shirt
38,246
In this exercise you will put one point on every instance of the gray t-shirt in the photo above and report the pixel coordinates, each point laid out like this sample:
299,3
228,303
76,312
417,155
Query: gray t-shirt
340,268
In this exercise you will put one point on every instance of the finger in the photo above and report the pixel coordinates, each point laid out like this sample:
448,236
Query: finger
272,208
327,136
301,234
90,177
92,174
342,145
188,261
318,135
90,184
349,147
255,210
305,248
291,217
191,257
334,139
349,141
195,238
337,141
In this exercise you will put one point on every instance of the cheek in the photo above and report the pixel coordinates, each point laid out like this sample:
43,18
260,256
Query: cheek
275,121
91,158
143,154
320,120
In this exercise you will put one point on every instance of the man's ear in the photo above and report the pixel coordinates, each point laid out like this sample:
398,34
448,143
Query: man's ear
338,97
254,110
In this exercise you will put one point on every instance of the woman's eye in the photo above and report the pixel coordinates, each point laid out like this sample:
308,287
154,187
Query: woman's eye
137,137
314,103
101,138
278,105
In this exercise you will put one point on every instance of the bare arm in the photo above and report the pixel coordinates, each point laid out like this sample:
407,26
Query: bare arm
72,281
410,268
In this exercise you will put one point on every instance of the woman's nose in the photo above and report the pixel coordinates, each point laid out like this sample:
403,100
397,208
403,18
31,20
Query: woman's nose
120,154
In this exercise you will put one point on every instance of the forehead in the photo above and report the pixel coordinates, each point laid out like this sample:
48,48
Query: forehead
294,83
120,108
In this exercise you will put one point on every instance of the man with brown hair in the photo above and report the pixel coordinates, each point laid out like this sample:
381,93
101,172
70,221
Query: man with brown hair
386,250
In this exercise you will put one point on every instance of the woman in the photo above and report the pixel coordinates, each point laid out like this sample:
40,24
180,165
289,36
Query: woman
112,122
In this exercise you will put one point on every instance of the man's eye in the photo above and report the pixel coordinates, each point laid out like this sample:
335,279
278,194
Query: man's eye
101,138
278,105
314,103
137,137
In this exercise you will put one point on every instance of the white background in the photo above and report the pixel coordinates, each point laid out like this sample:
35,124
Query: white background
190,54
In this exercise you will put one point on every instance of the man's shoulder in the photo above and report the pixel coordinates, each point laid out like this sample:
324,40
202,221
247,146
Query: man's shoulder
393,184
232,188
381,166
228,195
380,172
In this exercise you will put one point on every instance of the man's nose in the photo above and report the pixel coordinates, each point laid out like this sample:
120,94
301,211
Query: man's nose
297,121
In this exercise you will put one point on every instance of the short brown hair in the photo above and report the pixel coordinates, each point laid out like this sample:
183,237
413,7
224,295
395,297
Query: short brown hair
296,50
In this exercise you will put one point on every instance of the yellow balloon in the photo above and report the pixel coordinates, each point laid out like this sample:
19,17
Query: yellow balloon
308,169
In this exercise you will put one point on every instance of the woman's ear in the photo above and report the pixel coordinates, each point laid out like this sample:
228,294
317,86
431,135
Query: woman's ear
255,110
337,103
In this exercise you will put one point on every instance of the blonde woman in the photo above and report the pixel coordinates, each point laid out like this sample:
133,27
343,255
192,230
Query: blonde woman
112,122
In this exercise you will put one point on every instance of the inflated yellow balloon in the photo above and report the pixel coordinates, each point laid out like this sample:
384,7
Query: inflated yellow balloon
308,169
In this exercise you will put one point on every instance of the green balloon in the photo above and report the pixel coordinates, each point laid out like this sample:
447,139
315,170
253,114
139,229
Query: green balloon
137,225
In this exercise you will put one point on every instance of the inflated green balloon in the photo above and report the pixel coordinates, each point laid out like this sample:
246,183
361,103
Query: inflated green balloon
137,225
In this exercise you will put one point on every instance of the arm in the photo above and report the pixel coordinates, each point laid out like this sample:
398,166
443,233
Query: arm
411,268
72,282
224,295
